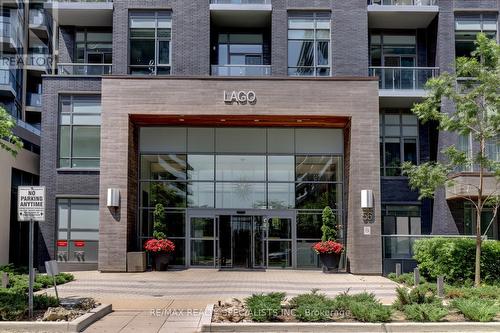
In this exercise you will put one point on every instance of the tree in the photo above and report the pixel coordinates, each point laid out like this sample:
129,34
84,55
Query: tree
329,227
476,100
159,222
8,141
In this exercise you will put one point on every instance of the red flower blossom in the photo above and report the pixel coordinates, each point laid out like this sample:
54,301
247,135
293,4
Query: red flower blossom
328,247
159,245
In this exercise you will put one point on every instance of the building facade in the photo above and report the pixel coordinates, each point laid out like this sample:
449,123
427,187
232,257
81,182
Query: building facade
236,122
26,55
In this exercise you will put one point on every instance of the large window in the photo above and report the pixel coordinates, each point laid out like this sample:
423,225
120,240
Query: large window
398,141
240,49
241,168
309,51
466,28
79,131
150,42
94,46
78,229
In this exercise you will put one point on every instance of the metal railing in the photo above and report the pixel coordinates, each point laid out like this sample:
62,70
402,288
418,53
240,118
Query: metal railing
403,2
34,99
84,69
401,246
240,2
403,78
241,70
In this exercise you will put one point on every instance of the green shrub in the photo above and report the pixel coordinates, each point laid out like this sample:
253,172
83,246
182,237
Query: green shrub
265,307
423,294
13,305
454,259
370,312
316,311
10,268
475,309
402,298
483,292
43,302
312,306
406,278
425,312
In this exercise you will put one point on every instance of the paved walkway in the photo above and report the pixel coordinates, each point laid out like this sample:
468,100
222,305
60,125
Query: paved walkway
173,301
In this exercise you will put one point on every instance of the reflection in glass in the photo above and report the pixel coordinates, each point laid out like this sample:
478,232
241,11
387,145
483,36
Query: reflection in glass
240,195
202,252
281,168
240,168
318,195
306,257
319,168
179,255
201,195
163,167
309,225
280,254
202,227
200,167
169,194
280,228
281,195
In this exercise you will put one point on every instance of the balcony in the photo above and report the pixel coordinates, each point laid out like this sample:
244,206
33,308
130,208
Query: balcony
84,69
403,81
41,62
241,70
401,14
241,13
7,82
465,184
98,13
34,101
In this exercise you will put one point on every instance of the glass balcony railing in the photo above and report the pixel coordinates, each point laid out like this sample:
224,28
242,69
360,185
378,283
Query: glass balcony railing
8,78
403,2
37,17
240,2
84,69
403,78
34,99
5,27
241,70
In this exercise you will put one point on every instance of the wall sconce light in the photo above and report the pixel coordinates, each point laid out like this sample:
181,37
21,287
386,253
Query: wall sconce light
113,198
366,199
367,206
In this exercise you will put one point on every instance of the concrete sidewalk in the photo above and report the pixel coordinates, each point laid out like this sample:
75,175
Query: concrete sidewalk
151,301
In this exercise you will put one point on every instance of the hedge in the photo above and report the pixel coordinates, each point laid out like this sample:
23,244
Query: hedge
454,258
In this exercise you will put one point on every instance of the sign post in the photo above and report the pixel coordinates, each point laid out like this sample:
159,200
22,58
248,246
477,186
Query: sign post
31,208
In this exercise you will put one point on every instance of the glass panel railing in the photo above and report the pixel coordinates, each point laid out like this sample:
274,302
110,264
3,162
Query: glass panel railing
401,246
8,77
241,70
84,69
37,17
34,99
240,2
5,27
403,78
403,2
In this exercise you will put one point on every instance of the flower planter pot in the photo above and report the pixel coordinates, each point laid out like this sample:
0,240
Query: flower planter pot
330,262
160,261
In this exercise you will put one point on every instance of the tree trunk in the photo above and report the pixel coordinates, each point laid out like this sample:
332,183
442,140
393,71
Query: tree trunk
477,274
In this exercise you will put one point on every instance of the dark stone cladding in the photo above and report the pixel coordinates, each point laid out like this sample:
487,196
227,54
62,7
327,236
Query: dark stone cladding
60,183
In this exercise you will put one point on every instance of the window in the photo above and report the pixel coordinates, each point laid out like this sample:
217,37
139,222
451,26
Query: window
492,151
392,50
150,42
466,28
401,220
240,49
94,47
398,141
79,131
309,52
78,229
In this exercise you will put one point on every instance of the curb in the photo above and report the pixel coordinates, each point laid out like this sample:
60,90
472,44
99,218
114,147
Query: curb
207,326
77,325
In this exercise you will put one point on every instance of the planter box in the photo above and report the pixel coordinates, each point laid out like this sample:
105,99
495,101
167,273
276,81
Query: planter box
136,262
77,325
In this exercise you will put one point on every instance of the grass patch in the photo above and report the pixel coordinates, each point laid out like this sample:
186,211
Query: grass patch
475,309
425,312
265,307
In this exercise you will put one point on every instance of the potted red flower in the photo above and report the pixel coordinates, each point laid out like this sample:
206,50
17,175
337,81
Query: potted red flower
159,246
328,249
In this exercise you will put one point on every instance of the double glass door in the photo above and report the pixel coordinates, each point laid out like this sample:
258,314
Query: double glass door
242,241
402,74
